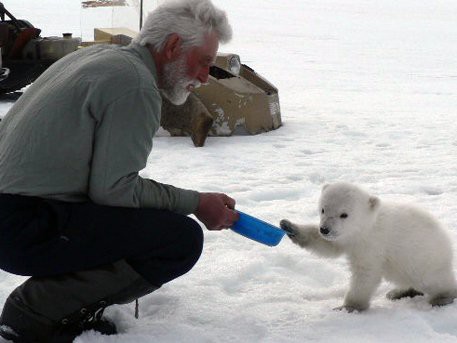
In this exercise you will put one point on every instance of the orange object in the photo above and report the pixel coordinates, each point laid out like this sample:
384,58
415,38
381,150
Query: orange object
22,39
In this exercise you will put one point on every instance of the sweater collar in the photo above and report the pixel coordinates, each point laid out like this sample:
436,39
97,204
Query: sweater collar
146,57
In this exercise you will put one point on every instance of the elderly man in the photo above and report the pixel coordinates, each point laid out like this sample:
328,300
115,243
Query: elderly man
74,212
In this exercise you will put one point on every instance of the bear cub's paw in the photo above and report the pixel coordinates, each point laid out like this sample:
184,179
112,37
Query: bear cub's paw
287,226
349,308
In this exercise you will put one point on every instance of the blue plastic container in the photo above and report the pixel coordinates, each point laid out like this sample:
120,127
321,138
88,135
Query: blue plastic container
258,230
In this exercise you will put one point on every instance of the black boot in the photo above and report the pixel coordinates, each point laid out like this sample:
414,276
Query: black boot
58,309
20,324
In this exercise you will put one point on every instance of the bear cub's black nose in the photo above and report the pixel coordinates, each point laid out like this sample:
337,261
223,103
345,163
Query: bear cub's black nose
324,230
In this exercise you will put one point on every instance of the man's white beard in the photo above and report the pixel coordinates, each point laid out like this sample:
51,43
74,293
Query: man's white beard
176,82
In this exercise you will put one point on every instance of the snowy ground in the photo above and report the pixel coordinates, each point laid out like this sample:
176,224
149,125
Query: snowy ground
368,95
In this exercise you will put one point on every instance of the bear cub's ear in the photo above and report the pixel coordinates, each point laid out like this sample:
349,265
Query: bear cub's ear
373,201
325,186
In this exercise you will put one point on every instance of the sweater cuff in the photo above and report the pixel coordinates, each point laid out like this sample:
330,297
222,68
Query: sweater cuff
188,201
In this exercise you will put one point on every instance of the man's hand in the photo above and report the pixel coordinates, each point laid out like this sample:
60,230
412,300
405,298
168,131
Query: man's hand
216,211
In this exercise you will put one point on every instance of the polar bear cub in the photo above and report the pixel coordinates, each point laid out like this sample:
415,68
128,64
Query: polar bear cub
395,241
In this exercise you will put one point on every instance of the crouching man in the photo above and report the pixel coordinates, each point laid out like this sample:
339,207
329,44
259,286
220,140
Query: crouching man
74,213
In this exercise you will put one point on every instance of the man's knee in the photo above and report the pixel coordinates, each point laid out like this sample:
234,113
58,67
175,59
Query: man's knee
192,241
175,258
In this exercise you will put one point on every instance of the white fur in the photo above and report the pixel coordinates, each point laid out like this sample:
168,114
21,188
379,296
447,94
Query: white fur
395,241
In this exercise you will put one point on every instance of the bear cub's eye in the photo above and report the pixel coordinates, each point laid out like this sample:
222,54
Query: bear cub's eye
343,215
322,211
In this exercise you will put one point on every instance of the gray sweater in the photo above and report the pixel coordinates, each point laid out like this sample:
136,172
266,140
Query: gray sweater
83,130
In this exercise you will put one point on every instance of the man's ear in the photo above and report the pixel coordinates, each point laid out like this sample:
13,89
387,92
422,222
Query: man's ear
374,202
172,47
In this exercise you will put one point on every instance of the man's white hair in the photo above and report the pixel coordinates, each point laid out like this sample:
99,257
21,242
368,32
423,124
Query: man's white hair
192,20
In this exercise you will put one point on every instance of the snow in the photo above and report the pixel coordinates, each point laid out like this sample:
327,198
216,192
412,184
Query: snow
367,92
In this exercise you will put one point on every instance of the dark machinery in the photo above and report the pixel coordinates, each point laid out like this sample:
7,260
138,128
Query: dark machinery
24,54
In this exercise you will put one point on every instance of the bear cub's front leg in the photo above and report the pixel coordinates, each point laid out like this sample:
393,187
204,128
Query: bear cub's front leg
299,234
308,236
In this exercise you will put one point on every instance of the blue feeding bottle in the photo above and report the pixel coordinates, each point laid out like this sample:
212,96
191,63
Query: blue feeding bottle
258,230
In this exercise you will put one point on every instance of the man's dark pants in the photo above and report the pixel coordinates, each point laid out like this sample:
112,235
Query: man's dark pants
82,258
47,237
